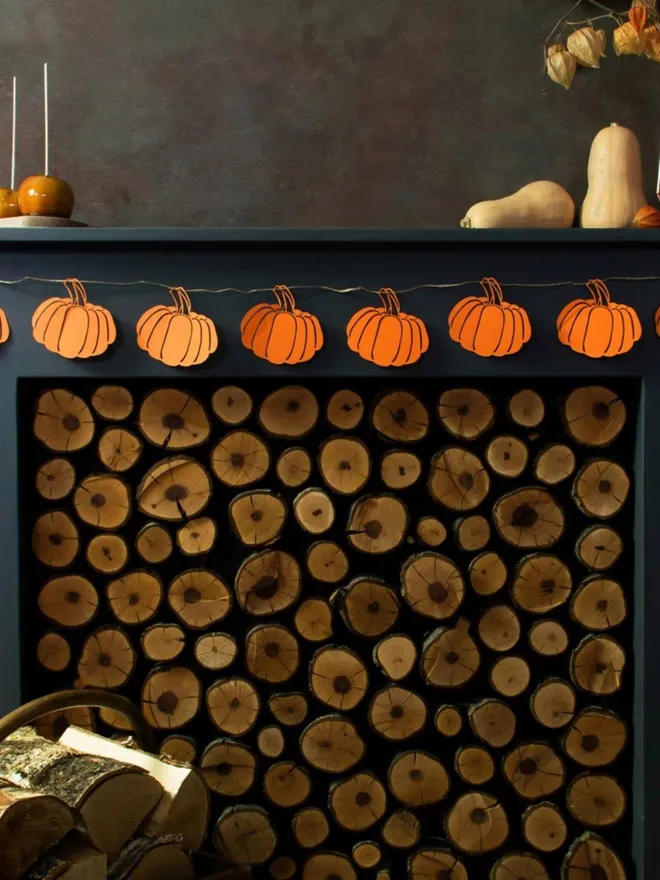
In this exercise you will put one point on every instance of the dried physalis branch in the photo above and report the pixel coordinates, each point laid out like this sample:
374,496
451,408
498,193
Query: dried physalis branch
628,40
649,4
587,46
560,65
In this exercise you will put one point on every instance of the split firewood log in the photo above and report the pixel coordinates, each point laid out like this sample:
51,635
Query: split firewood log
257,517
199,598
119,449
507,456
179,748
173,419
229,767
112,402
328,866
597,665
107,553
91,785
472,532
594,415
377,523
435,862
590,856
233,706
596,799
400,469
232,405
541,583
289,709
314,510
431,531
401,830
272,653
544,827
554,464
63,422
493,722
287,784
73,858
522,866
599,547
310,827
174,489
291,411
282,868
30,824
53,652
477,823
271,741
154,543
432,585
448,720
55,539
529,517
458,479
216,650
268,582
600,488
150,858
103,501
487,573
313,620
510,675
332,743
548,638
345,409
183,808
526,408
294,467
135,596
534,770
599,603
357,802
107,658
499,628
450,657
395,656
171,697
69,600
465,412
397,714
417,778
595,738
55,479
345,464
338,677
368,607
197,536
162,641
553,703
244,835
474,765
366,854
240,459
327,562
400,416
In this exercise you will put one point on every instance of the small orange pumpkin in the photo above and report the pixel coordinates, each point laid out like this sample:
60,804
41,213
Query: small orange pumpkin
487,325
71,326
597,327
175,335
279,332
385,335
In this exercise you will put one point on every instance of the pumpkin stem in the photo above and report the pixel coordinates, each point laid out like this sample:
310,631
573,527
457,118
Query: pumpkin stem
390,300
284,297
491,287
69,284
598,290
80,290
178,294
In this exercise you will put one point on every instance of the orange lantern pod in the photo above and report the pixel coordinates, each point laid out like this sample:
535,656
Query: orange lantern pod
385,335
175,335
279,332
487,325
71,326
597,327
638,16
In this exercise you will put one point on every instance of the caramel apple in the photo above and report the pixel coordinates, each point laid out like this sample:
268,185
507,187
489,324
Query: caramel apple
9,203
46,196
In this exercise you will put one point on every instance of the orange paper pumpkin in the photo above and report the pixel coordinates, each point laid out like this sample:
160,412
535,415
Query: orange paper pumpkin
4,327
175,335
597,327
71,326
385,335
279,332
488,326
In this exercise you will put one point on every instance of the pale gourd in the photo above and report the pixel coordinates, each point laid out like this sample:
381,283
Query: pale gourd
615,192
539,205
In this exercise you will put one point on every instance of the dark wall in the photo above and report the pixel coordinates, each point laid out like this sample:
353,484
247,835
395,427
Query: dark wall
305,112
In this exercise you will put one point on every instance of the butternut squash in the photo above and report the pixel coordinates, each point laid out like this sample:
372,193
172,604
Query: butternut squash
539,205
615,192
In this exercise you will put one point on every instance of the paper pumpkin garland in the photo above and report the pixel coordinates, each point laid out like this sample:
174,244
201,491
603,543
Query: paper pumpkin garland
279,332
71,326
385,335
487,325
4,327
597,327
175,335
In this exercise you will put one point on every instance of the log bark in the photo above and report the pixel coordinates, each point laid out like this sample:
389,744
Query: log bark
179,748
199,598
327,562
328,865
55,479
103,501
107,659
244,835
529,518
477,823
448,720
400,416
493,722
314,620
397,714
107,554
487,573
474,765
357,802
417,778
53,652
294,467
534,770
368,607
510,676
287,784
597,665
548,638
173,419
544,827
465,412
310,827
599,604
432,585
154,543
112,402
400,469
553,703
345,409
542,582
395,656
174,489
119,449
345,464
554,464
507,456
135,596
591,856
338,677
171,697
314,510
594,415
596,799
458,479
240,459
431,531
472,533
229,767
232,405
197,536
63,422
151,858
450,657
601,488
526,408
270,741
93,786
73,858
216,650
257,517
499,628
599,547
268,582
233,706
163,641
289,709
522,866
401,830
272,653
55,539
291,411
595,738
